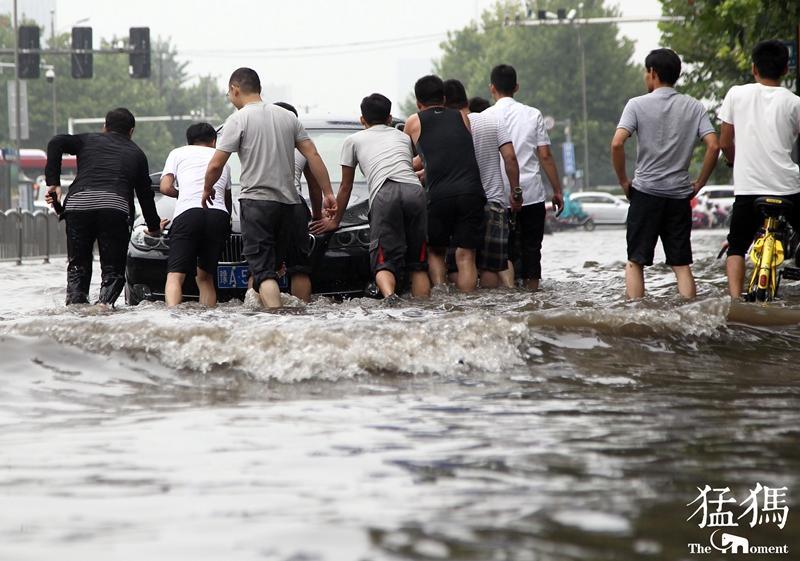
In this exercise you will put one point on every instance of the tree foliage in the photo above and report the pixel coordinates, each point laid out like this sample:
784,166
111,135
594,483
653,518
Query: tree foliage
547,60
168,91
717,37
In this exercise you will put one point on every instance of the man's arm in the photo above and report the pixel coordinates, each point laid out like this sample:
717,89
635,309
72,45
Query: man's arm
144,192
727,136
320,172
213,173
342,199
167,186
314,194
709,162
548,164
59,145
413,129
618,159
512,171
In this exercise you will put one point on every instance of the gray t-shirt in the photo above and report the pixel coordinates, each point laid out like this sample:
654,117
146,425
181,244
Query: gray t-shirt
383,153
265,136
667,125
488,135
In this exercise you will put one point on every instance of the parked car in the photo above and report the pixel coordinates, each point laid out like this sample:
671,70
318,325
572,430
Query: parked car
720,195
603,208
340,260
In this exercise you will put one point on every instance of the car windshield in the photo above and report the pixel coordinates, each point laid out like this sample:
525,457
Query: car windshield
329,145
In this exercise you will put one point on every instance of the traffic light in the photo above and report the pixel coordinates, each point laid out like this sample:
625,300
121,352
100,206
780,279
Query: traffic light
28,38
139,60
82,63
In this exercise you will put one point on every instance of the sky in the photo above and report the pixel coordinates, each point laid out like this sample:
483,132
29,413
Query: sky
381,45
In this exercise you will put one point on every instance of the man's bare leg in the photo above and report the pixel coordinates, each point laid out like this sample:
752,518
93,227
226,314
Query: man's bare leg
532,284
173,291
735,268
420,285
386,282
686,285
301,287
507,276
467,272
270,293
490,279
208,294
634,281
437,268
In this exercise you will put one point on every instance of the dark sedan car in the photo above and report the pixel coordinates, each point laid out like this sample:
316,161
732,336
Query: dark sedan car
340,260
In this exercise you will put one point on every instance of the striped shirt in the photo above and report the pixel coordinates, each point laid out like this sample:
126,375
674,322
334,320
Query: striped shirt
488,135
96,200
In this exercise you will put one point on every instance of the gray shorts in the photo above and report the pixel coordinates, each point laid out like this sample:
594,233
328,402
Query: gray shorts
398,222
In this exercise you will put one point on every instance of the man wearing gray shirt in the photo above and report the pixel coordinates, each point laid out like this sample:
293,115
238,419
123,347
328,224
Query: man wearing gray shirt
398,214
667,125
273,217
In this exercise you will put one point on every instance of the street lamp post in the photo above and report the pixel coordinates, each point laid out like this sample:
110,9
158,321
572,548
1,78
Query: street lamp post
50,74
585,109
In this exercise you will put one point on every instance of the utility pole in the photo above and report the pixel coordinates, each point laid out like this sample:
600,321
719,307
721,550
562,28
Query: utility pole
585,109
17,117
53,46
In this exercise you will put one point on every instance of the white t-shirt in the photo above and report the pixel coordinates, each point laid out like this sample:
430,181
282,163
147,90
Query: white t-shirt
488,135
526,126
188,164
767,122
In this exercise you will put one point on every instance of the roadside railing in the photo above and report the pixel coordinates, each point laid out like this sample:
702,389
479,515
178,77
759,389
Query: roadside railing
29,235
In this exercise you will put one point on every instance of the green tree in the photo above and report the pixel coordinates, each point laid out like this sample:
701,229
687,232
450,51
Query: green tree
547,60
168,91
715,42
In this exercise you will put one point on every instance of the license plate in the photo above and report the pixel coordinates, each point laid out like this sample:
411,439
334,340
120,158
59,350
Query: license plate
236,276
232,276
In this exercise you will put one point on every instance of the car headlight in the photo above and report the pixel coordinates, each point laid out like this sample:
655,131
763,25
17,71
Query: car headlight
144,242
354,236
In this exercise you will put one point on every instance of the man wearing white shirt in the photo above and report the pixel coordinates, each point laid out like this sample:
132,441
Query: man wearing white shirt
198,234
760,125
531,143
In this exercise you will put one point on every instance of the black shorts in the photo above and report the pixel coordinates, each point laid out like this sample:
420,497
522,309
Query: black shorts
274,234
650,218
398,229
746,219
456,221
196,239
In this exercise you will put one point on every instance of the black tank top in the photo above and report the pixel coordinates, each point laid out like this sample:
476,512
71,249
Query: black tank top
448,154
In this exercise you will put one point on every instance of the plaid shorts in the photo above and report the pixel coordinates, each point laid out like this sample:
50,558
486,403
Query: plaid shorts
493,252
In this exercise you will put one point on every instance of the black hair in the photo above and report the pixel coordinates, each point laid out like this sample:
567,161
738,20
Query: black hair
455,96
247,79
376,108
504,79
200,133
287,106
666,64
120,120
771,59
429,90
478,104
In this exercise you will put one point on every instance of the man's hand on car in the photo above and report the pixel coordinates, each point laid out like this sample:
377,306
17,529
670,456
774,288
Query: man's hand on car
329,206
161,226
323,226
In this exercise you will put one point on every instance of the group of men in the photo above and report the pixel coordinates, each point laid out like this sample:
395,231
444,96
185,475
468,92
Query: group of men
443,193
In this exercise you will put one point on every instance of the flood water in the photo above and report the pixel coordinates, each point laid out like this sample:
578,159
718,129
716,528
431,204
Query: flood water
567,424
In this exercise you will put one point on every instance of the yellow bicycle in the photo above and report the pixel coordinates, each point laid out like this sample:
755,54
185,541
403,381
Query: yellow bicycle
774,243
